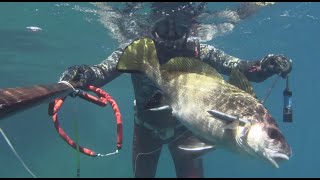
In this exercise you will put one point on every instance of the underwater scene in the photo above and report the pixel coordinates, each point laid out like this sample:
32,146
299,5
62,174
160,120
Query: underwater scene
39,41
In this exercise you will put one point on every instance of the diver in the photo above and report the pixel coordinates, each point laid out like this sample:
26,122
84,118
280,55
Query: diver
154,129
131,22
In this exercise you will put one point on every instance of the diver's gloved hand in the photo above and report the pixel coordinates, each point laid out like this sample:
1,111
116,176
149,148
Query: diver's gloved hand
276,64
83,75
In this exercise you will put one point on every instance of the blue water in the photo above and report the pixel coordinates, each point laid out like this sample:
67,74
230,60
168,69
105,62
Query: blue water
71,35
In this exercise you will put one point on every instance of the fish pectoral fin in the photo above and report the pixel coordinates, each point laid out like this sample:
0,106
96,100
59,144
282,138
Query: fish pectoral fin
157,102
230,126
192,143
161,108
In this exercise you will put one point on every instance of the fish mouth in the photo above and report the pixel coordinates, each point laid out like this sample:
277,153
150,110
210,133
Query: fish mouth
275,157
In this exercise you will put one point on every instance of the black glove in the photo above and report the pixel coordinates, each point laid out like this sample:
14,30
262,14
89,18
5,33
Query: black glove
83,75
276,64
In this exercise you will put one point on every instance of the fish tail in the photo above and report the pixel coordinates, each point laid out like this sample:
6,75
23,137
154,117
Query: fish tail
140,57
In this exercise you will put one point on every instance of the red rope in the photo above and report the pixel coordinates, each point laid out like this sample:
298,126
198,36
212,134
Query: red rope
103,99
115,110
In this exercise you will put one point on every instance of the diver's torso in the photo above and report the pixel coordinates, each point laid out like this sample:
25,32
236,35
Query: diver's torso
144,88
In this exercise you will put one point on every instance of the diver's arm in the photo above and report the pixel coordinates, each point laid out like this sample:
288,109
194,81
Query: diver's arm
106,71
97,75
256,71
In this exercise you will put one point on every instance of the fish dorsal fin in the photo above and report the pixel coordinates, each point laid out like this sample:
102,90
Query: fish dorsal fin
190,65
239,80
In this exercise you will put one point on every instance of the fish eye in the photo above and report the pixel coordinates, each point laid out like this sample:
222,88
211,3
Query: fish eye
273,133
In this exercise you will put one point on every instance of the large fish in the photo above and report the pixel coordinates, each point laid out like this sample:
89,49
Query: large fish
218,113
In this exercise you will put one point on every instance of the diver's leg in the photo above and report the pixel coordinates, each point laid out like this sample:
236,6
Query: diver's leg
229,19
186,163
146,152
